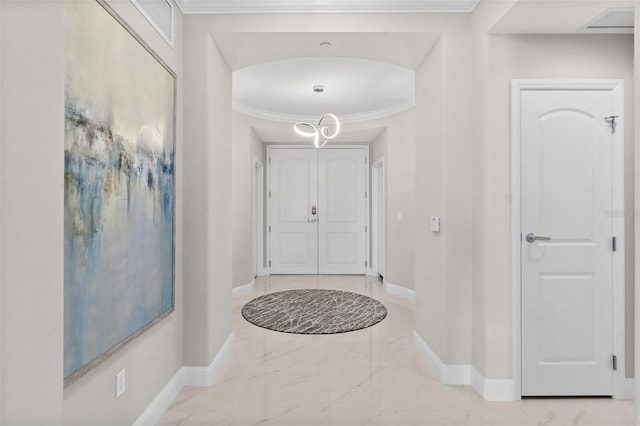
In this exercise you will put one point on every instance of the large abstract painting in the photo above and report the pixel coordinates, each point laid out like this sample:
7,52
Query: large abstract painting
119,186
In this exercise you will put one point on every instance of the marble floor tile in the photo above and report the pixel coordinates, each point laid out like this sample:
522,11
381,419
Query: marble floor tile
367,377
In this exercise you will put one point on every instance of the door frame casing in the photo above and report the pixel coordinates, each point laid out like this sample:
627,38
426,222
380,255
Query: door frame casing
617,88
270,147
377,217
258,211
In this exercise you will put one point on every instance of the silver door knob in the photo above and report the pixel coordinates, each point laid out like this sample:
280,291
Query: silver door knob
531,237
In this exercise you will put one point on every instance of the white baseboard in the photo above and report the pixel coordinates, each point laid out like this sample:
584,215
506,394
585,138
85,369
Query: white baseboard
399,291
243,289
205,376
628,390
493,389
152,414
489,389
186,376
446,374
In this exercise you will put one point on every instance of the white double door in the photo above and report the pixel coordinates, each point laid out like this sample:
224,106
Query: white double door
567,163
317,204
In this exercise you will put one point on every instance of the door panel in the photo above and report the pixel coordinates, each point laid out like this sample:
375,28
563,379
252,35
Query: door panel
342,214
344,248
579,315
294,239
566,150
567,204
294,188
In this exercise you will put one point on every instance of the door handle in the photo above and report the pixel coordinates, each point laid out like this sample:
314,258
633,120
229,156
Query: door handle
531,237
312,220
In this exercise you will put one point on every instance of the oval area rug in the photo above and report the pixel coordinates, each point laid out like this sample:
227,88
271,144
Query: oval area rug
314,311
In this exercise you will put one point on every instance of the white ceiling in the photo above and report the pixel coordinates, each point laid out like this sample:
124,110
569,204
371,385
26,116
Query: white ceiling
243,49
355,89
366,76
324,6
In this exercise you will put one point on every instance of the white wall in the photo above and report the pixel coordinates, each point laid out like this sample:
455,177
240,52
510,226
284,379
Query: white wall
379,151
32,206
431,285
379,147
396,145
207,196
400,198
443,189
246,146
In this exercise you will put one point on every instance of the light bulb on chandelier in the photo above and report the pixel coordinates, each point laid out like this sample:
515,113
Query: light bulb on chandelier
320,130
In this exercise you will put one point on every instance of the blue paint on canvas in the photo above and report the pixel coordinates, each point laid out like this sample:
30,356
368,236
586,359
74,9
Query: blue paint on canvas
119,187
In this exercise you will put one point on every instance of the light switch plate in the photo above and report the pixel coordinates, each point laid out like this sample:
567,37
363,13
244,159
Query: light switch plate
435,224
121,384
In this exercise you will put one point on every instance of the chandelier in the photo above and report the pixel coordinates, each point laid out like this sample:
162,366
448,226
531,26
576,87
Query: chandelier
320,131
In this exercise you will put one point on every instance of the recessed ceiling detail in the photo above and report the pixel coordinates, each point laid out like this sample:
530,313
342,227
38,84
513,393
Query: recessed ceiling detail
620,19
243,49
566,17
354,89
325,6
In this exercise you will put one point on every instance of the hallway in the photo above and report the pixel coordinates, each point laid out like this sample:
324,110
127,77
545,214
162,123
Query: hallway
372,376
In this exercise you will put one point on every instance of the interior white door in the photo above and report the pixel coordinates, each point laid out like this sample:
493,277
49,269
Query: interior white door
293,225
342,202
566,178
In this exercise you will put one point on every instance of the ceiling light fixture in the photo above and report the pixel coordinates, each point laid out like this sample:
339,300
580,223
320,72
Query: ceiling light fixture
316,131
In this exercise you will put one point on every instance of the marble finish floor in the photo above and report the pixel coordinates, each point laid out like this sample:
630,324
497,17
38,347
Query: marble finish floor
372,376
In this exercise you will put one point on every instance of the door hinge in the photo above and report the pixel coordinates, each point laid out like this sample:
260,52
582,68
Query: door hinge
269,160
365,228
612,119
269,264
365,263
365,194
365,160
613,243
614,362
269,228
269,194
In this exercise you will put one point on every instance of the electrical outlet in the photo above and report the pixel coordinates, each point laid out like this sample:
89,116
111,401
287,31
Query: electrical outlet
121,384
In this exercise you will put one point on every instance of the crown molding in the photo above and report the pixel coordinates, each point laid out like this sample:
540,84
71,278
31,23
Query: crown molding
344,118
327,6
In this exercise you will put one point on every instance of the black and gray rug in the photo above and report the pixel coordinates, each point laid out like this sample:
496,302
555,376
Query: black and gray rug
314,311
